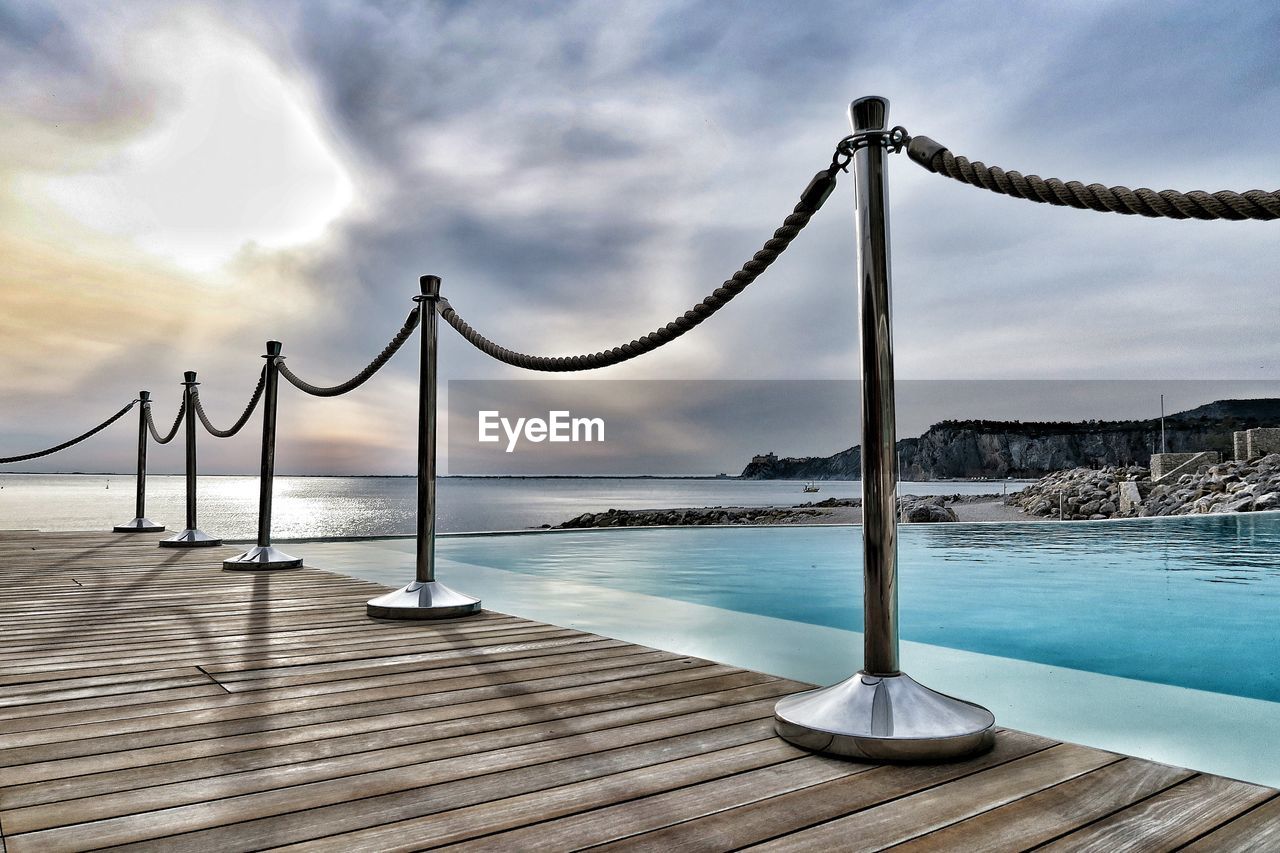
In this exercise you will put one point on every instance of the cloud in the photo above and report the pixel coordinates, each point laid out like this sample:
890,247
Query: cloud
234,156
581,172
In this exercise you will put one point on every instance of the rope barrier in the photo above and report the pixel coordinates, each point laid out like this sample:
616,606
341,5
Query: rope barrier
810,203
1171,204
99,428
937,158
244,416
177,422
410,323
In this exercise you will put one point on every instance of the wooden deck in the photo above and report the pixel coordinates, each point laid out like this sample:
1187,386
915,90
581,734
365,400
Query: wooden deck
149,699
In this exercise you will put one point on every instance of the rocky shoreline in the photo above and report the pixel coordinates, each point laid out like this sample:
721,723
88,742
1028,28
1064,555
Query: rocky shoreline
1076,494
911,509
1129,492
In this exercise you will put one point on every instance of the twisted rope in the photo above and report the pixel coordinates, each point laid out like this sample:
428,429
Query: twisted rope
244,416
810,203
1171,204
99,428
151,424
410,323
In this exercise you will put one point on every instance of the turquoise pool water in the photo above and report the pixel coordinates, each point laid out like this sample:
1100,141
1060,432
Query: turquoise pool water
1192,602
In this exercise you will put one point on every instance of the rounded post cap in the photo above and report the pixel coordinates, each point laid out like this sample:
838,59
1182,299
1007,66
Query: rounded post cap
430,285
869,113
273,347
144,396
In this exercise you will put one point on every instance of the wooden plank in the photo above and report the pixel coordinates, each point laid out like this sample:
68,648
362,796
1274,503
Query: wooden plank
177,634
1048,814
283,662
449,657
232,706
780,771
191,677
375,732
455,810
598,731
460,736
187,794
111,697
34,687
795,795
231,810
19,712
1169,819
1258,829
890,823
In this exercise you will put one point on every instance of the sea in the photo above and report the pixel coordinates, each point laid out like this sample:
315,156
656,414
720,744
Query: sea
307,507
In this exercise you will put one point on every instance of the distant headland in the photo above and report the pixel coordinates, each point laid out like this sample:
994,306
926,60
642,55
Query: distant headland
979,449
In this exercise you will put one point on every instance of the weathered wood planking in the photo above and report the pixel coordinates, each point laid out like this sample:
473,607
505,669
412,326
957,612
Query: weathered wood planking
149,700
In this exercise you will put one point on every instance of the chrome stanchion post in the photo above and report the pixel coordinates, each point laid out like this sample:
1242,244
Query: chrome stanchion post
880,713
263,555
140,523
192,536
425,598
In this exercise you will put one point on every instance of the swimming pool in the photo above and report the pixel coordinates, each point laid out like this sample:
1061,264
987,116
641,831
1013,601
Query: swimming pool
1157,638
1190,602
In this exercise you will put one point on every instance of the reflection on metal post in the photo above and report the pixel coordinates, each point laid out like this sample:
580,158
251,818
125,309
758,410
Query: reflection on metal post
140,523
880,713
426,598
263,556
192,536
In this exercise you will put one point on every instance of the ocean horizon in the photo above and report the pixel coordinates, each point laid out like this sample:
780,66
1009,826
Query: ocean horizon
307,506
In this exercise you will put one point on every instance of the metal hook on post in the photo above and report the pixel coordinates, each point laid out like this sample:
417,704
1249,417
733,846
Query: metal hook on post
264,556
140,523
880,713
192,536
425,598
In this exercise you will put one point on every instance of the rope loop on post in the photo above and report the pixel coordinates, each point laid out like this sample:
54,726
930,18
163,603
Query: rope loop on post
410,323
894,140
1169,204
244,416
99,428
811,201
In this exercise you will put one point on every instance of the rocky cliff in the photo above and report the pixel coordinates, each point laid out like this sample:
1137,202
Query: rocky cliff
968,449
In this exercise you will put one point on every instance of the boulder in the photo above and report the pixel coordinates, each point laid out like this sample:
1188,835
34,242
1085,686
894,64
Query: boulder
1267,501
925,512
1244,504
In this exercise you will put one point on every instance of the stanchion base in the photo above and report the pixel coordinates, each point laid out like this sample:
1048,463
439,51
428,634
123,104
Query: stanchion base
190,538
884,718
432,600
261,558
139,525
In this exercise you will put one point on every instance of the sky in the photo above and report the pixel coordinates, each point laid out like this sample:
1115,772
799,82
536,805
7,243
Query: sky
180,182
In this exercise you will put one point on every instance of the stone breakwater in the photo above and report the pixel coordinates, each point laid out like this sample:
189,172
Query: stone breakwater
695,516
1128,491
911,509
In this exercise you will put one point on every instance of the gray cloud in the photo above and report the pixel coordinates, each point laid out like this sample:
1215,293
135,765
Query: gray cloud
580,172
